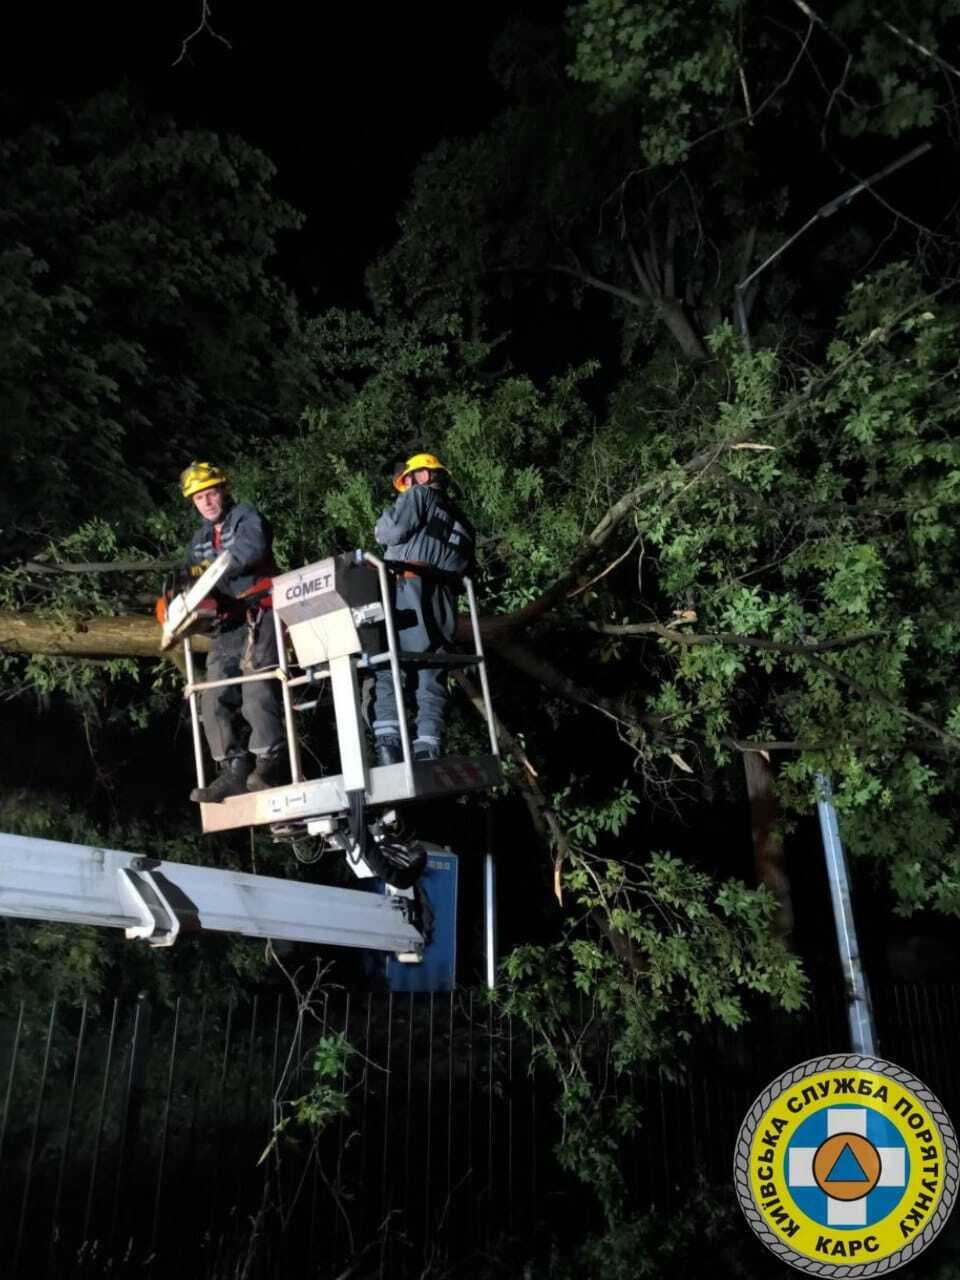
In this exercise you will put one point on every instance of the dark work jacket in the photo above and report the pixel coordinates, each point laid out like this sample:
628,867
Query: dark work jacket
425,527
247,535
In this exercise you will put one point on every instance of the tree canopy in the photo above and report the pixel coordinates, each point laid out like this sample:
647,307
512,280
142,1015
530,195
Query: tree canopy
141,323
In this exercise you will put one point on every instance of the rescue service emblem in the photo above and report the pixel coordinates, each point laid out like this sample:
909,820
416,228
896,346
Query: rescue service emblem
846,1166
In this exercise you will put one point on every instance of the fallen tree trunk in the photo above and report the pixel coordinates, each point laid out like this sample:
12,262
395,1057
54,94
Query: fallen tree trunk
136,636
125,636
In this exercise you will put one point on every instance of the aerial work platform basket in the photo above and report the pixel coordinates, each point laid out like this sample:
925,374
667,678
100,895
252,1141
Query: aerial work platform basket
339,616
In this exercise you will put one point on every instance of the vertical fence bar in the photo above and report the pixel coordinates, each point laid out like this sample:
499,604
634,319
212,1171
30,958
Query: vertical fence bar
221,1090
365,1180
99,1130
165,1127
384,1195
471,1180
929,1031
908,1046
427,1173
450,1096
510,1125
664,1136
897,1020
67,1130
198,1065
271,1172
132,1102
248,1082
10,1075
942,1059
276,1058
338,1183
635,1145
488,1215
920,1036
534,1205
296,1049
408,1112
33,1139
315,1172
951,1034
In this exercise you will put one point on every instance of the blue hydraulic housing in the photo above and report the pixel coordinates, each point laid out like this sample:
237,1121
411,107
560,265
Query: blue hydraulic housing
438,970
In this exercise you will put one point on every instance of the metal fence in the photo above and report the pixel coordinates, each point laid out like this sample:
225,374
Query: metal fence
133,1138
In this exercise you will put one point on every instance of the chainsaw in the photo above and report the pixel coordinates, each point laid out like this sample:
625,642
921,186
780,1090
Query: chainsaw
195,610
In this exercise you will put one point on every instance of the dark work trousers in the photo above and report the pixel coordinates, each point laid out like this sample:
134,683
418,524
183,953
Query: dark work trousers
425,615
258,701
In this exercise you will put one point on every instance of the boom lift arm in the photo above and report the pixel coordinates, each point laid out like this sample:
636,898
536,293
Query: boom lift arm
156,902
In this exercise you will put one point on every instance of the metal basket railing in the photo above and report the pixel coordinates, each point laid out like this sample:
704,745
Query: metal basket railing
365,662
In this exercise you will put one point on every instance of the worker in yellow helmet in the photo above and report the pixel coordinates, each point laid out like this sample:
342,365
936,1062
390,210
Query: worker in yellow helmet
245,640
429,544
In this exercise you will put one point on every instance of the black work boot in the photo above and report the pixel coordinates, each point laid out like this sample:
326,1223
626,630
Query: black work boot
271,770
230,781
423,750
388,750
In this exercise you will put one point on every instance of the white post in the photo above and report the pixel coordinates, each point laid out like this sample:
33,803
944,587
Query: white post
293,746
859,1007
490,918
194,714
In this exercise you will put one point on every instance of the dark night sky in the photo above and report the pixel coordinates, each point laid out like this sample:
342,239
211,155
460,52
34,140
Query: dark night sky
343,98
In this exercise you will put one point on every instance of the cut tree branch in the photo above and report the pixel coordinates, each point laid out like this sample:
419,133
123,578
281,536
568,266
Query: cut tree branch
494,627
634,299
597,577
915,44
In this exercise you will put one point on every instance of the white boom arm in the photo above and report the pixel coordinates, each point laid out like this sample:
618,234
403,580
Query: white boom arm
156,901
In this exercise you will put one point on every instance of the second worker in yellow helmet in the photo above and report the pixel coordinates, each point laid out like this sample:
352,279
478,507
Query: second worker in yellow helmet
429,544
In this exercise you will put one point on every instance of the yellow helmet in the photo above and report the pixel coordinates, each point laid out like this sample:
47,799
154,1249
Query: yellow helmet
419,462
199,476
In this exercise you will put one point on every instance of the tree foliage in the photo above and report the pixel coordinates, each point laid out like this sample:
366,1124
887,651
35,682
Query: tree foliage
140,322
693,69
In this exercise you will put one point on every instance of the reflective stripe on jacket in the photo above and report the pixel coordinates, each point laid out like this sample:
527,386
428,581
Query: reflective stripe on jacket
425,527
